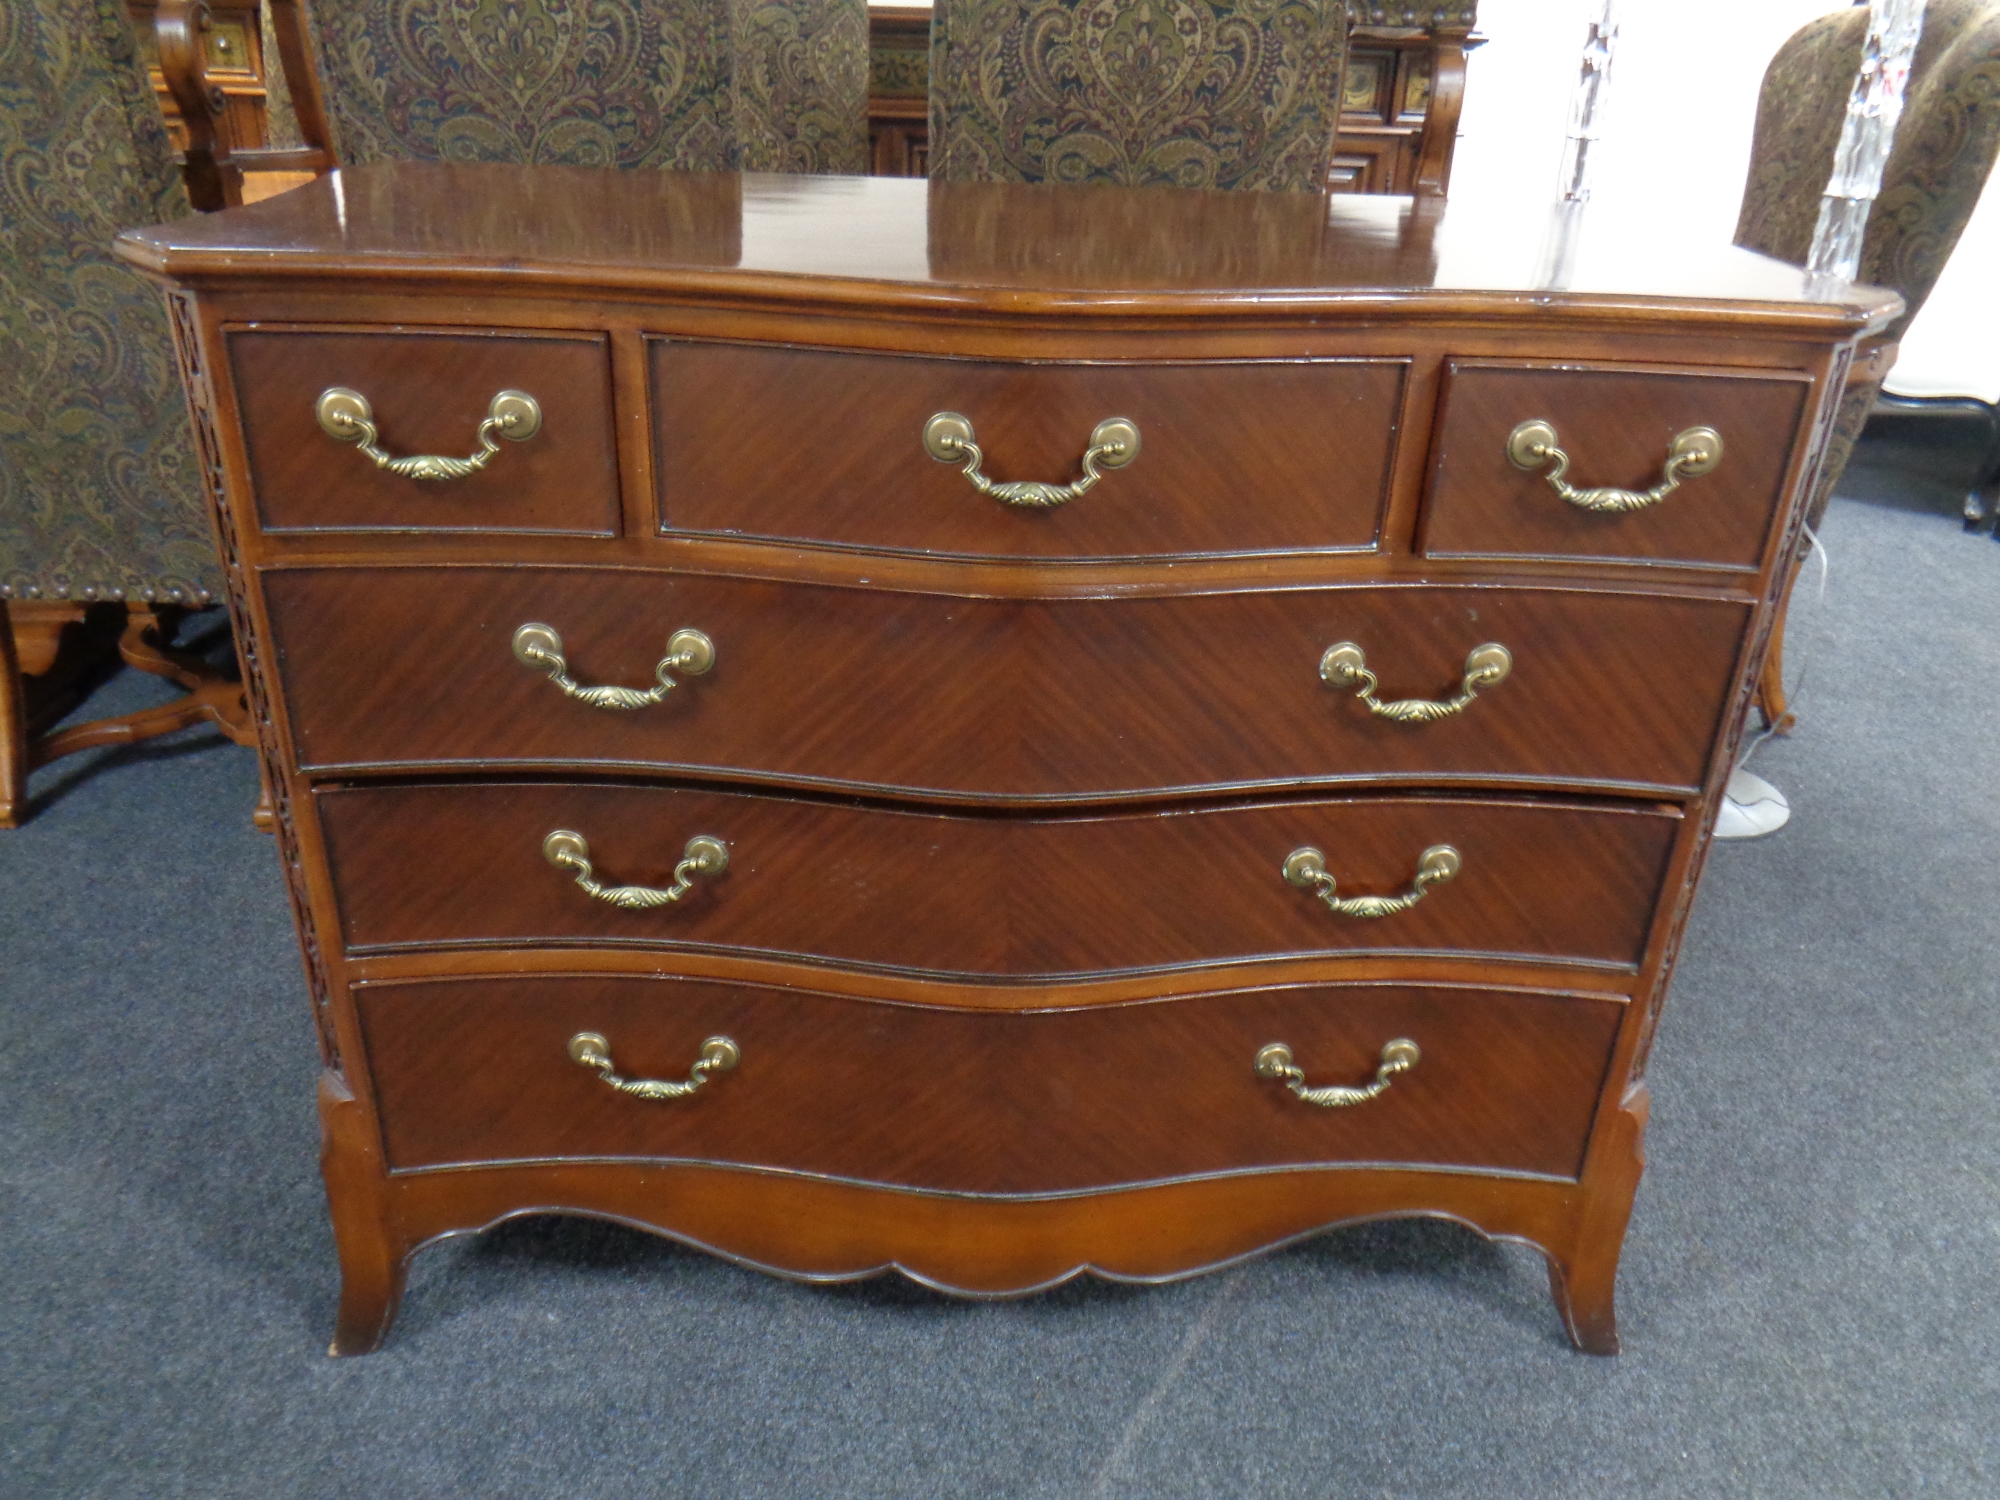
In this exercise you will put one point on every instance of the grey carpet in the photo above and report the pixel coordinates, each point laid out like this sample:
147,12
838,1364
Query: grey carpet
1807,1299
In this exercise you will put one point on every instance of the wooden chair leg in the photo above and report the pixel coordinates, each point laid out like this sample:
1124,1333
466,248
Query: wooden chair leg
1778,715
64,647
13,728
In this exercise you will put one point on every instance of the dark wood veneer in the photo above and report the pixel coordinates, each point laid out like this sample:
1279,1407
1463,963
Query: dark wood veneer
429,392
982,1101
1001,699
819,445
1016,896
1615,425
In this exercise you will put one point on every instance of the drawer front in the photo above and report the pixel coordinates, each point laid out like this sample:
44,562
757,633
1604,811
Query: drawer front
999,698
428,394
828,447
1003,896
1617,427
984,1101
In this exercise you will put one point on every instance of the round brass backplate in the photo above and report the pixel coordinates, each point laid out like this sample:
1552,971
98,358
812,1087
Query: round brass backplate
1403,1051
532,638
1697,450
1305,866
518,413
694,651
945,437
341,412
710,855
562,843
1273,1060
1342,664
1119,437
590,1049
1440,862
1489,663
1528,445
721,1054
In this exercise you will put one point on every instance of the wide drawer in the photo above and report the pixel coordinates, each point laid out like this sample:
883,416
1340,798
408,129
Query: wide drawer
1617,427
387,668
822,446
944,893
428,394
984,1101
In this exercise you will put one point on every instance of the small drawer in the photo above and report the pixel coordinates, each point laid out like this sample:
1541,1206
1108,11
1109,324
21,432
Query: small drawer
1617,427
940,893
429,395
820,446
978,698
983,1101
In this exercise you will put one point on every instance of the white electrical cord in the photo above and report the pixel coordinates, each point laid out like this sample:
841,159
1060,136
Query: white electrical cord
1808,638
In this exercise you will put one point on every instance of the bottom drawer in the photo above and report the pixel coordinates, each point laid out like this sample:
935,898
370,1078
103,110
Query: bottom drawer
983,1101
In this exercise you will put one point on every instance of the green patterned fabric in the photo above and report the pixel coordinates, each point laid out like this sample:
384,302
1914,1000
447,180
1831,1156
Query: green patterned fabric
1168,93
801,85
281,127
701,85
100,496
1943,153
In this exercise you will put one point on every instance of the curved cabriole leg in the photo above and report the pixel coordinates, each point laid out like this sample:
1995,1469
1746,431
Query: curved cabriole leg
1584,1281
373,1255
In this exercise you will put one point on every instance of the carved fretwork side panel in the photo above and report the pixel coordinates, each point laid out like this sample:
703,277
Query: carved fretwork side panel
201,408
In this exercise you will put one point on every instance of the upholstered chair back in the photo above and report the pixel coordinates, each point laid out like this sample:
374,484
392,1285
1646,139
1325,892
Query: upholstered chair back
1173,93
100,495
1943,153
702,85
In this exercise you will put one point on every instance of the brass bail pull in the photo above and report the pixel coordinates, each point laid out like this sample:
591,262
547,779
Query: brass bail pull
1274,1061
1307,867
537,645
704,855
1344,665
346,417
589,1049
1114,443
1692,452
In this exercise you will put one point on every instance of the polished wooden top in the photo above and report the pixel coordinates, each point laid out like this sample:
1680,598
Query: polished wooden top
1000,248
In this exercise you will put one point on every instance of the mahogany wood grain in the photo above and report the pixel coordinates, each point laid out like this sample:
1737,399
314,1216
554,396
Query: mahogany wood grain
1001,699
461,863
1616,426
983,1102
429,393
819,1230
1020,253
1063,899
826,446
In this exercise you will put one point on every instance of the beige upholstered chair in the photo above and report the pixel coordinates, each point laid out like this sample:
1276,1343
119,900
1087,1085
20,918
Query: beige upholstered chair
1137,93
104,534
1943,153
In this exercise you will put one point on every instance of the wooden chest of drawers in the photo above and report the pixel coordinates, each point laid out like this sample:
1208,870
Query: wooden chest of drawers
990,732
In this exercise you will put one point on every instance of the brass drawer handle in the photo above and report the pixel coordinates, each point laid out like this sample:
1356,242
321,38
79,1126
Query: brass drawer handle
1275,1061
719,1054
346,417
1114,443
1343,665
1307,867
537,645
1692,452
703,855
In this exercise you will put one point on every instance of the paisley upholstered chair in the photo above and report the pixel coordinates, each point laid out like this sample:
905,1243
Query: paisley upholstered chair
104,535
763,85
1943,153
1171,93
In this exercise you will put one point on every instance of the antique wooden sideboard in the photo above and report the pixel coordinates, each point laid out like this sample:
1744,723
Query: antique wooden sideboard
989,731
